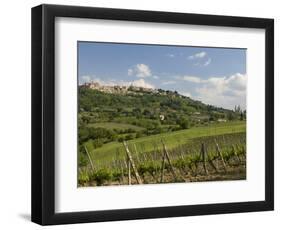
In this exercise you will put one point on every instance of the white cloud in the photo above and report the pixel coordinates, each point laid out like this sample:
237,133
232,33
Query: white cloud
168,82
197,55
84,79
192,79
130,72
220,91
170,55
223,91
208,62
187,94
238,81
142,83
140,70
200,59
155,77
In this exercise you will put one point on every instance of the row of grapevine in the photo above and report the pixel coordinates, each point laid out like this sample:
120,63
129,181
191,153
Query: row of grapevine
211,159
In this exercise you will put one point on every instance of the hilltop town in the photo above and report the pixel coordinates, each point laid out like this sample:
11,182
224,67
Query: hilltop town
123,89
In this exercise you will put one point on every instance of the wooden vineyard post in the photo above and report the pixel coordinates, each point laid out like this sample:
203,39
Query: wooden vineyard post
213,165
131,163
125,162
166,155
221,157
129,172
126,166
181,156
91,162
122,171
163,167
235,154
204,156
137,154
145,157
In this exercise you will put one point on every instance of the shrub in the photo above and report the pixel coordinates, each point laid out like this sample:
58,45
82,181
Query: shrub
129,137
83,177
97,143
139,134
121,139
116,175
148,167
184,123
101,176
82,159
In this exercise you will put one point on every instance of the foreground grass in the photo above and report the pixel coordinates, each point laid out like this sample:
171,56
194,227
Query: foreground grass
172,139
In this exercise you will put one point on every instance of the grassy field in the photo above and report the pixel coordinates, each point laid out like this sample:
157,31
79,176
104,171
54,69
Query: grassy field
172,139
115,125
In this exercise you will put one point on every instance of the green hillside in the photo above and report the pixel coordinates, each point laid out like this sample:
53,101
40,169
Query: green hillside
172,139
105,120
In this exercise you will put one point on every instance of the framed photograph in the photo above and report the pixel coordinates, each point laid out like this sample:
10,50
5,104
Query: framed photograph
142,114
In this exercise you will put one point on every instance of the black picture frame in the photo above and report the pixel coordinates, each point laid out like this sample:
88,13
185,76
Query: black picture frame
43,114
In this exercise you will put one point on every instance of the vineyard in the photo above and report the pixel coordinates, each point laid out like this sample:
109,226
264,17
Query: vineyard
199,158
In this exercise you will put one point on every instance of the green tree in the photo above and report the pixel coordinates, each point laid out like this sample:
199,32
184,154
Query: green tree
230,116
184,123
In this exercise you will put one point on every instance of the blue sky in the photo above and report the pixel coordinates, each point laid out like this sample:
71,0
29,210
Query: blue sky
215,76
